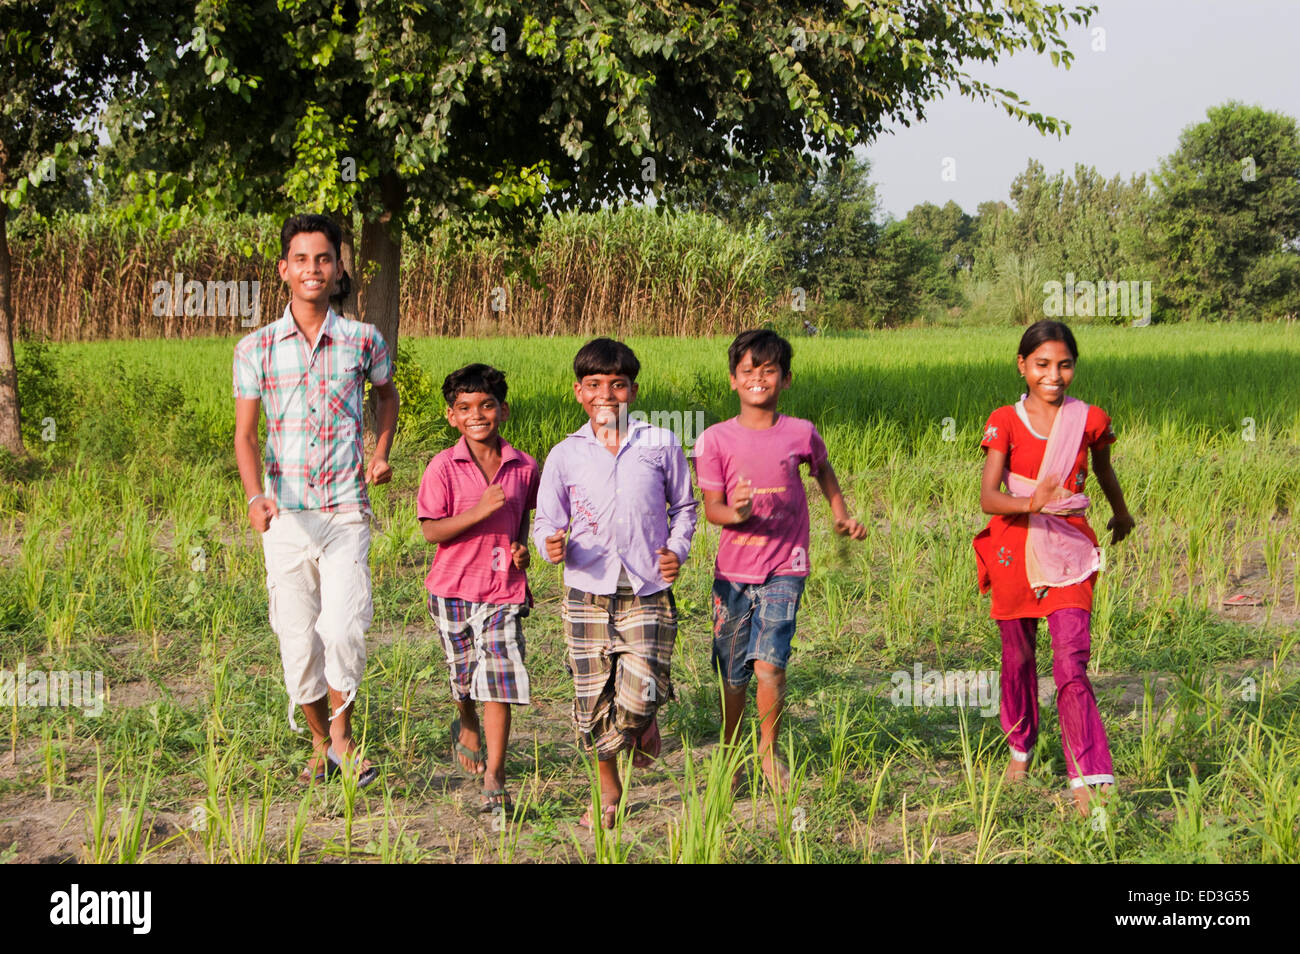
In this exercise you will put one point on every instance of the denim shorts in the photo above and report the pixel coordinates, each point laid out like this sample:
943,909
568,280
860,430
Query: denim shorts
753,621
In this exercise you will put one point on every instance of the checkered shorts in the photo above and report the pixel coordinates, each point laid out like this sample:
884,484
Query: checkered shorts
620,657
484,643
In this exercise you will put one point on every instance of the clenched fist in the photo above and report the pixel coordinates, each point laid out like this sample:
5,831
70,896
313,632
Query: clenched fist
555,547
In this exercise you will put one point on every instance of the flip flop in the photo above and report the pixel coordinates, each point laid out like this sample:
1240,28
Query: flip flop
488,804
366,776
477,756
323,773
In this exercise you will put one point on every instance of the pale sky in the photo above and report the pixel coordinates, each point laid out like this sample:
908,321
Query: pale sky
1164,63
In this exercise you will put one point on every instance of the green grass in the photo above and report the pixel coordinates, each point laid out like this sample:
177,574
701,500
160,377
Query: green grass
124,548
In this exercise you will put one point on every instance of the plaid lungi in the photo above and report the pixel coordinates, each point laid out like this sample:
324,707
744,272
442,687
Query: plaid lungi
484,643
620,653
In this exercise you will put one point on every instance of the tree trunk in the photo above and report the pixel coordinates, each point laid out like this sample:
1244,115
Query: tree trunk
347,255
11,435
381,261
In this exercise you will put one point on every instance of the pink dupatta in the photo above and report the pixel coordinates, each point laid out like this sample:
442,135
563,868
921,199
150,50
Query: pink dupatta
1057,554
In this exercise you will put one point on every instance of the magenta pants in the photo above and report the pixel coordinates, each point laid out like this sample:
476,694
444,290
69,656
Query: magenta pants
1087,751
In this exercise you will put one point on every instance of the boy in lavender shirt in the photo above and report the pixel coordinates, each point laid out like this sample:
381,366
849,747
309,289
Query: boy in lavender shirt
621,490
748,469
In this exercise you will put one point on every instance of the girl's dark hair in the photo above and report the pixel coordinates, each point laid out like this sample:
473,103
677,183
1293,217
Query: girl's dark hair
310,222
606,356
1047,330
474,379
763,346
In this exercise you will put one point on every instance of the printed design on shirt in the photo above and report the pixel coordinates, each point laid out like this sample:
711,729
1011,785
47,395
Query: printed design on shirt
1005,557
748,540
799,559
990,433
1079,478
499,559
582,507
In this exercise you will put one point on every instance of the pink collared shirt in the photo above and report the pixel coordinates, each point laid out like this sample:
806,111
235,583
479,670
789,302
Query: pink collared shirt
477,566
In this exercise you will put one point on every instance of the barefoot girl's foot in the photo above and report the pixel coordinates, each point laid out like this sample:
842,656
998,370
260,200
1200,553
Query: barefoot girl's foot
1017,769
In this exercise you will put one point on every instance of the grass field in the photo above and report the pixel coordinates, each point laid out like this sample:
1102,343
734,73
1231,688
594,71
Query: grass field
124,549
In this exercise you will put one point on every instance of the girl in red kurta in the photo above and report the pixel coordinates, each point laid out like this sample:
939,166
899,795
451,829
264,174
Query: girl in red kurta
1039,555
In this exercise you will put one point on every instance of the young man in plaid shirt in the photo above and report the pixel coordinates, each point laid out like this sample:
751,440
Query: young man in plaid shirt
310,369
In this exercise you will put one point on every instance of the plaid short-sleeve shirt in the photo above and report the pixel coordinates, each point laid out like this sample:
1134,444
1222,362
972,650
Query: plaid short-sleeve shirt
313,397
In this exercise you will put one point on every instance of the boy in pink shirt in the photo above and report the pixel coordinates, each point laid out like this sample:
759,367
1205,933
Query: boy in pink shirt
748,469
474,502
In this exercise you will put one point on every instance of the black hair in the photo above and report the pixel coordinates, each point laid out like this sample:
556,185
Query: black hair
1047,330
605,356
344,287
311,222
475,379
763,346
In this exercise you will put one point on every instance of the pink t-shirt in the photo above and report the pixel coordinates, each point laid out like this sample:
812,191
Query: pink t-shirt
774,540
476,565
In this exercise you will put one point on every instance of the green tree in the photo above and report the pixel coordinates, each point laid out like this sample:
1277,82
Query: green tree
1227,216
56,56
487,113
823,231
949,229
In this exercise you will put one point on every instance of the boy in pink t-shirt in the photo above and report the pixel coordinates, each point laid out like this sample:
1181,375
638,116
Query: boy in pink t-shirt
748,469
474,502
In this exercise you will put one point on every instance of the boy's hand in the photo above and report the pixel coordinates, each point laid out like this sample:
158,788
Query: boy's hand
555,547
493,499
379,471
519,554
668,564
743,501
260,512
848,527
1120,526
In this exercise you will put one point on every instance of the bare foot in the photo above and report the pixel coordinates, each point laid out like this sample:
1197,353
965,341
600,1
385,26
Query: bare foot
647,746
1017,770
607,814
1086,797
774,770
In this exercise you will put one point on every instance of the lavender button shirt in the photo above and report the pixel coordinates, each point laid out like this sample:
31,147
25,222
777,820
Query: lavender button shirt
618,508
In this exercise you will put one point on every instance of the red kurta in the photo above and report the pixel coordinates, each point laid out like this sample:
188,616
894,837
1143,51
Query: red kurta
1000,547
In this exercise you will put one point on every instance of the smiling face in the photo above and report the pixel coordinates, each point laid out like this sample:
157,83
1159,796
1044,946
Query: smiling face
477,415
601,394
1048,371
758,385
310,268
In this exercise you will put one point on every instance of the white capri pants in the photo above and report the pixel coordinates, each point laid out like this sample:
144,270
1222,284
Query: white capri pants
318,580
